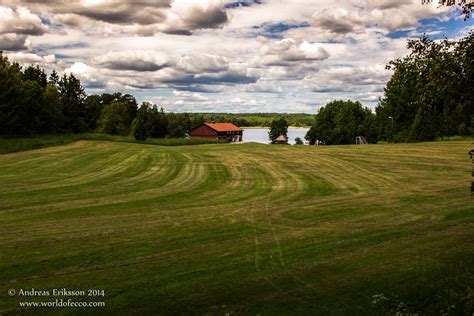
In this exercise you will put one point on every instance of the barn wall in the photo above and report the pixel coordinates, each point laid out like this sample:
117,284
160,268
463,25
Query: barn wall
203,131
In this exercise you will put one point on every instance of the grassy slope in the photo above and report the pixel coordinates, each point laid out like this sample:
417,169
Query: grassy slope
241,228
16,144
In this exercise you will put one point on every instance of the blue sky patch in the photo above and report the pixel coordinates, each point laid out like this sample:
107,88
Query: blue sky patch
276,30
241,3
435,28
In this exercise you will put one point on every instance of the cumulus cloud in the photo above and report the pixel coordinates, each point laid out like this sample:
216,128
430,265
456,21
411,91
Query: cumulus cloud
12,42
20,21
30,58
190,96
120,12
185,16
347,79
89,76
202,63
334,23
289,51
230,77
145,17
134,60
338,20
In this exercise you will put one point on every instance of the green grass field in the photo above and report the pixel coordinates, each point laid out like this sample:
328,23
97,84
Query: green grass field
15,144
240,229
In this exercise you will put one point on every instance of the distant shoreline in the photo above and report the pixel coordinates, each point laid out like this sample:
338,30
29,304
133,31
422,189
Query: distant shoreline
266,127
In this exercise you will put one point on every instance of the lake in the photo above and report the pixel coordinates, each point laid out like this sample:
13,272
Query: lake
260,135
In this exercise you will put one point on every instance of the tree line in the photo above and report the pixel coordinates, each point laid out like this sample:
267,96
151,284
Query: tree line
428,97
259,119
31,103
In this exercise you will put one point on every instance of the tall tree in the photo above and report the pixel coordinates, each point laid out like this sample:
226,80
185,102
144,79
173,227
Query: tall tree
93,106
52,118
73,103
158,122
35,73
428,95
141,123
115,119
127,99
178,124
10,91
277,128
27,111
340,122
54,78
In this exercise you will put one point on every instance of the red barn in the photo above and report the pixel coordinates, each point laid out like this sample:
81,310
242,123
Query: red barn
219,131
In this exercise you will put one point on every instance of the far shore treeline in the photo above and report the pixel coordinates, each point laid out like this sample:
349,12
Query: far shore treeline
429,96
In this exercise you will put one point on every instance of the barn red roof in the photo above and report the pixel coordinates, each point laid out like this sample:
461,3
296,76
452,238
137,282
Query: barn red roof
224,127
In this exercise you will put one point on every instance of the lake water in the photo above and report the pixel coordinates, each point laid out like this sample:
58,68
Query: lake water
260,135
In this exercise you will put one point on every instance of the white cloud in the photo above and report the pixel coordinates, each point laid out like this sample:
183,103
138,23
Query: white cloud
136,60
20,21
289,51
314,51
30,58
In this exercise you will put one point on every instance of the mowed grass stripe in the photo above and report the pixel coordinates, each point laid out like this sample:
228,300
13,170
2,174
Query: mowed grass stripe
245,229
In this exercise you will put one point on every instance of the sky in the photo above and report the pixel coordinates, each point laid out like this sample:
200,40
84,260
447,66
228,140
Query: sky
289,56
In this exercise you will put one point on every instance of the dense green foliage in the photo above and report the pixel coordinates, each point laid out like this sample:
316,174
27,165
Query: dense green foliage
141,124
256,119
151,122
32,104
340,122
429,95
114,119
240,230
278,127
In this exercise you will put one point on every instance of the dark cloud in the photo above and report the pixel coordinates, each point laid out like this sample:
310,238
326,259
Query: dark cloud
338,21
144,18
206,19
134,60
132,65
94,85
197,88
328,89
224,78
12,42
388,4
122,13
143,86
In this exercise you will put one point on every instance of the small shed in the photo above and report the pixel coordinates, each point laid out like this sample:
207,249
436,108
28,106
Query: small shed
282,139
219,131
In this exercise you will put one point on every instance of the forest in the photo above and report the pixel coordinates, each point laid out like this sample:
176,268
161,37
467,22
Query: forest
428,97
